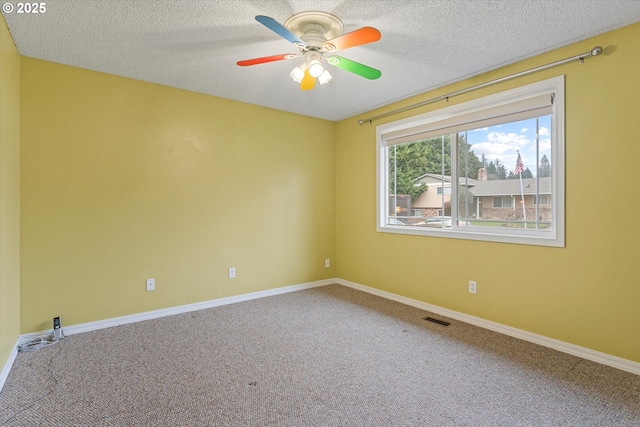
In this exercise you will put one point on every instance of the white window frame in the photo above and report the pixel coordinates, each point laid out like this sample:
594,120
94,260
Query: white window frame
554,237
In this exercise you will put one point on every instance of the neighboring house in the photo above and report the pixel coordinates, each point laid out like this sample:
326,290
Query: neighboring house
438,194
502,199
495,199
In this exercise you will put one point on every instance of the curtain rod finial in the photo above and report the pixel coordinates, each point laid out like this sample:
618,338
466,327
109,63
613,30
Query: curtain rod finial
596,51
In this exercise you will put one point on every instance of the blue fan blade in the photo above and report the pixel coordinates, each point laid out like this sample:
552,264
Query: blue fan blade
280,30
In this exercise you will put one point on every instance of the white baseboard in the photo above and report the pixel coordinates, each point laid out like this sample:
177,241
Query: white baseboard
117,321
123,320
7,366
585,353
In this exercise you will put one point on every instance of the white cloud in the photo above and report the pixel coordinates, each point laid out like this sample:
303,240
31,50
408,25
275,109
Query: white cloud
504,146
511,138
491,150
545,146
500,145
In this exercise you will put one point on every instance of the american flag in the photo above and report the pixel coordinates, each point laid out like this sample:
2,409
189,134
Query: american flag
519,166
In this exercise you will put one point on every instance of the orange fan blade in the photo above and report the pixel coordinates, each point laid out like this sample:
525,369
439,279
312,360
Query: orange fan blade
308,81
264,59
355,38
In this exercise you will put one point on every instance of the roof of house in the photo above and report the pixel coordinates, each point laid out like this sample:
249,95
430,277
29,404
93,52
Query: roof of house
511,187
498,187
429,178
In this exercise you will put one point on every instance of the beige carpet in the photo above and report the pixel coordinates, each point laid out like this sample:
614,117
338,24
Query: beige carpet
328,356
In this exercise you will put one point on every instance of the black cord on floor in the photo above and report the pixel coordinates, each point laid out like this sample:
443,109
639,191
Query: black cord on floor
53,386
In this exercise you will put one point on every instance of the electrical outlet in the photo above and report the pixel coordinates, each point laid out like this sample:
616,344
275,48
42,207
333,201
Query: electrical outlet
472,286
232,273
327,263
151,285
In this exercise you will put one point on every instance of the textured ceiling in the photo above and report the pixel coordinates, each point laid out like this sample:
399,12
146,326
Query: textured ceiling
194,45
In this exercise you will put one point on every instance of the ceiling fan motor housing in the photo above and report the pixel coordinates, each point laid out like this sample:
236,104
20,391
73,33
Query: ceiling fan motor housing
314,27
314,35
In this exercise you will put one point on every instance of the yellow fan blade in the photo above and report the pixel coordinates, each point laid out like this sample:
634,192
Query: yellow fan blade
308,81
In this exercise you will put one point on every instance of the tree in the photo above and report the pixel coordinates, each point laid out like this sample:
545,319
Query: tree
402,183
492,172
502,171
496,171
525,174
545,166
468,162
407,162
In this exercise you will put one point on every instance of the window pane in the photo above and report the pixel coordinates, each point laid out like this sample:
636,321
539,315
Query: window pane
491,191
468,168
494,191
418,172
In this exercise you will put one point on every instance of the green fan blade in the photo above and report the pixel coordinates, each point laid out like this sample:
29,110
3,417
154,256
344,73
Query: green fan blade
354,67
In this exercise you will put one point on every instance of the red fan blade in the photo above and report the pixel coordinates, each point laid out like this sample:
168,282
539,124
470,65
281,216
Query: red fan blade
355,38
265,59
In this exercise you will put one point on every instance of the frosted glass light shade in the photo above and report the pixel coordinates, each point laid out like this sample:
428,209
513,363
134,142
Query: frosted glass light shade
315,68
297,74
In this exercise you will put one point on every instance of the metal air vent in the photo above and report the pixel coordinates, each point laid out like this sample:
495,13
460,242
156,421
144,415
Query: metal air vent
438,321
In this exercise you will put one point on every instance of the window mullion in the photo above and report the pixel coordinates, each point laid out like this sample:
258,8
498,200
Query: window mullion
395,183
537,205
454,179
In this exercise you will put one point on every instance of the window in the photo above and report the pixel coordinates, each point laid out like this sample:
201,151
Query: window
543,198
502,202
489,160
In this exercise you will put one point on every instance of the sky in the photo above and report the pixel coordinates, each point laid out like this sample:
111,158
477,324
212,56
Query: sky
503,141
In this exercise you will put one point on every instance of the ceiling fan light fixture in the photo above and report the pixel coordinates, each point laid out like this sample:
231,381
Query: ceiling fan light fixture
324,78
297,74
316,33
315,68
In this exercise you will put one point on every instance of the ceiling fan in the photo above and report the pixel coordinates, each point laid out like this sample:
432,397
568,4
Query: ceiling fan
316,34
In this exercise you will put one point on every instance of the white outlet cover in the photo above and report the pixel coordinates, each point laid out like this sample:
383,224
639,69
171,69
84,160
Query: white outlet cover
472,286
151,285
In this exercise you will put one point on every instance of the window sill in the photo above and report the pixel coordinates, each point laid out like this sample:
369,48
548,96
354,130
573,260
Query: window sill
513,236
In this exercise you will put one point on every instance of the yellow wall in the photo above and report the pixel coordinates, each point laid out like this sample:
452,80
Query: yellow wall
9,193
124,180
587,293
